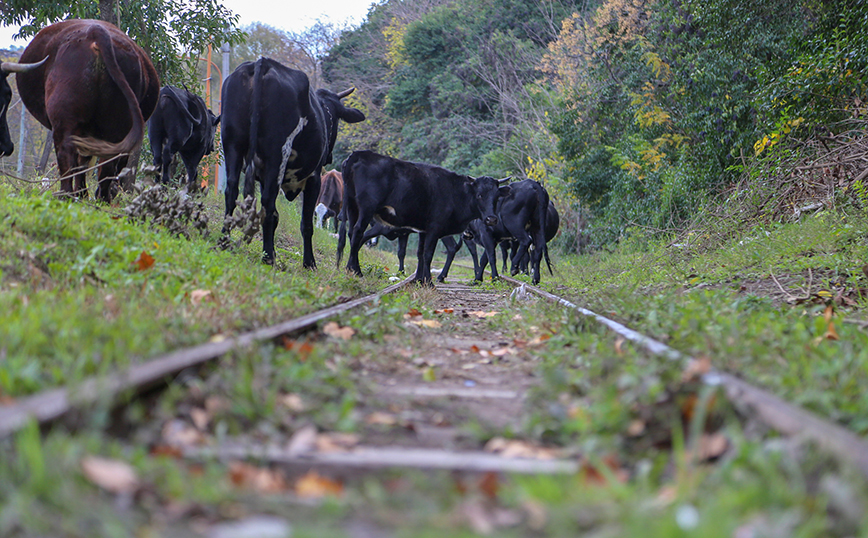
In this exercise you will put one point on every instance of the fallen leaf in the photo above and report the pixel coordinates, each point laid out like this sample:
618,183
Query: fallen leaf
302,441
828,313
696,368
502,351
303,349
336,442
481,314
412,313
516,448
712,446
619,345
314,486
430,323
444,311
831,333
114,476
383,419
489,484
178,433
248,476
636,428
167,451
144,261
200,417
474,348
197,296
293,402
539,340
593,475
336,331
428,374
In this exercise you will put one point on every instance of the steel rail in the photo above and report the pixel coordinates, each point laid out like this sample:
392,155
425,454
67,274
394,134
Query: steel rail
784,417
54,403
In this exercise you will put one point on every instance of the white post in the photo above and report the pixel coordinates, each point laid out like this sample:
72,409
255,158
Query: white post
22,140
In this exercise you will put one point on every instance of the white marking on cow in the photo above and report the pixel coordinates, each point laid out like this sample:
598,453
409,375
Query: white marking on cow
288,154
320,211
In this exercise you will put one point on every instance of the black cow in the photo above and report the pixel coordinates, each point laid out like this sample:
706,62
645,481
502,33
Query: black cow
284,133
181,123
402,235
521,218
428,199
553,223
6,145
331,197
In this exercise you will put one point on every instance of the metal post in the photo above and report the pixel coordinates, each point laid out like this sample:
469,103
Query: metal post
224,73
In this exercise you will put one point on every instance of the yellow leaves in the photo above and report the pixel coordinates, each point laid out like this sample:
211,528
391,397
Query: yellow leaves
396,53
661,69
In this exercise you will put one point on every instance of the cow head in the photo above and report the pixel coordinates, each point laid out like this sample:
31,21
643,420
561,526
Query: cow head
212,131
486,192
335,110
6,146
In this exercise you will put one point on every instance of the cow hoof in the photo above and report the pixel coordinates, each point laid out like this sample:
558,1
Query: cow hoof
267,259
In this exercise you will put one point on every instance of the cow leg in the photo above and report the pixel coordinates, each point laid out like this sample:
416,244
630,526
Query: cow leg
424,255
358,222
471,246
504,251
191,163
311,193
67,162
108,178
452,247
490,256
272,218
539,247
402,250
234,161
166,160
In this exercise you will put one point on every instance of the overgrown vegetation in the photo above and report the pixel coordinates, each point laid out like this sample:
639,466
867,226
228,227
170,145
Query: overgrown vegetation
632,112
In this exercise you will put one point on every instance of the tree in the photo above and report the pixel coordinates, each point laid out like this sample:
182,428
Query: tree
172,32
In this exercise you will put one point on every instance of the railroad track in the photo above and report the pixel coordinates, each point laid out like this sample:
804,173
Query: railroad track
786,418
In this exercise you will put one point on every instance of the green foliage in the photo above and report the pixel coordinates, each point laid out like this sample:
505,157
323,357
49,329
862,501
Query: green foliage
172,32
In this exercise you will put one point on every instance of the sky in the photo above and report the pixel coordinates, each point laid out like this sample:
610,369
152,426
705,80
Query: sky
285,14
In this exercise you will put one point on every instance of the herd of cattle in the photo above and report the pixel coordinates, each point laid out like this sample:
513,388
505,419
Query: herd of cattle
95,88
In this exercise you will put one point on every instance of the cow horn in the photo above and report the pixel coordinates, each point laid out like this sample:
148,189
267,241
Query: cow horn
13,67
346,93
504,180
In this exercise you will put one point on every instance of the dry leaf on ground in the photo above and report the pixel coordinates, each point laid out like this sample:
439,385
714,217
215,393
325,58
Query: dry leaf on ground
314,486
516,448
383,419
336,331
696,368
114,476
176,432
293,402
430,323
198,296
144,261
336,442
302,441
481,314
261,480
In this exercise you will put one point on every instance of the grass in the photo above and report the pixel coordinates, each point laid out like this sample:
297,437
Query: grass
74,302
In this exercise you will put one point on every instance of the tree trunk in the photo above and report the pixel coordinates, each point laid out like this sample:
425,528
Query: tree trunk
107,10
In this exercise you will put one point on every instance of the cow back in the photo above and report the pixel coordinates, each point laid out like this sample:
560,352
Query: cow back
72,86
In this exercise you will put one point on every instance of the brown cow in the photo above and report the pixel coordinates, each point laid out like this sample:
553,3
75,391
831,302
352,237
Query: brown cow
95,91
331,196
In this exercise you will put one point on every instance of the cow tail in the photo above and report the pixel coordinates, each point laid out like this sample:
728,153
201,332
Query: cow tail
343,216
542,211
89,146
255,111
169,93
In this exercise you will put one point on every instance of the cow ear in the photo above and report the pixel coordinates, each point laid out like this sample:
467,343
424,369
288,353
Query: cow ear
217,120
351,115
504,191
